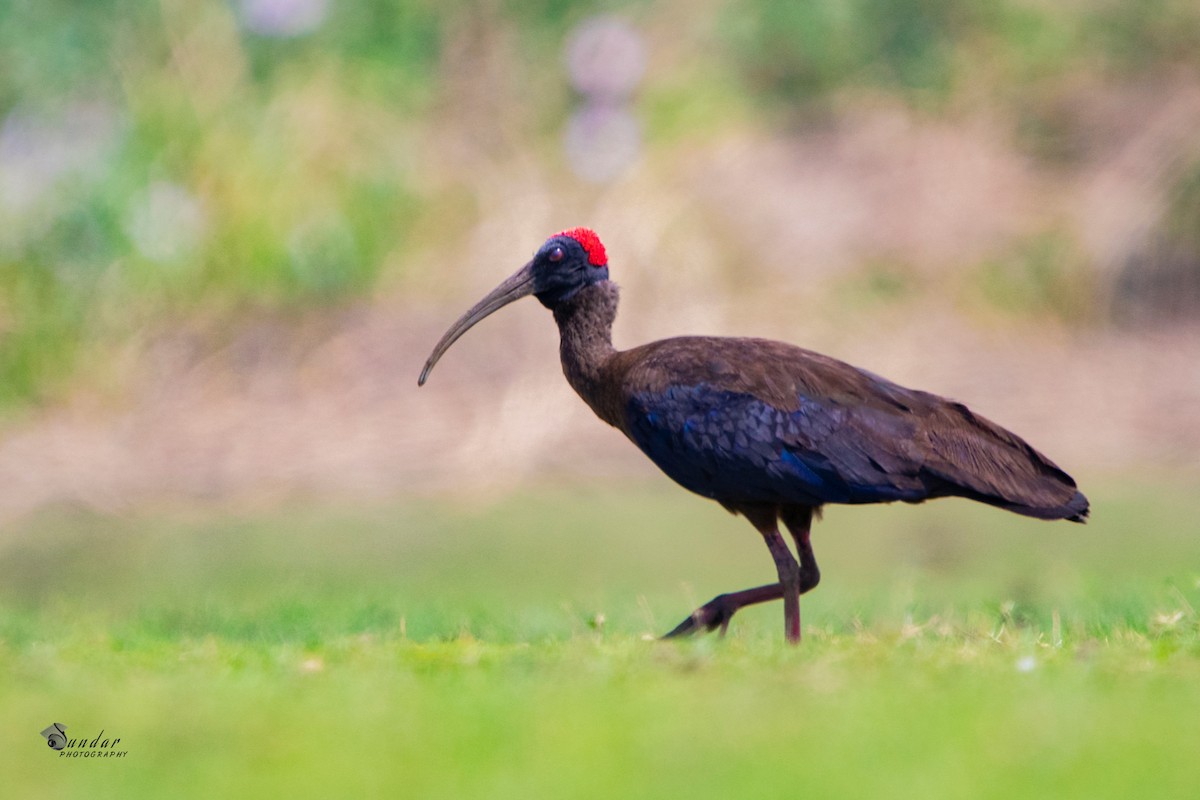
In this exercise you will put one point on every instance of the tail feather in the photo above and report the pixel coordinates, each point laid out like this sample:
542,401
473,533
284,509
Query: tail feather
983,461
1076,509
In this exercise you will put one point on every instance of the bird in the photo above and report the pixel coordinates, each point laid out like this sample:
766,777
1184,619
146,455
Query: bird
769,430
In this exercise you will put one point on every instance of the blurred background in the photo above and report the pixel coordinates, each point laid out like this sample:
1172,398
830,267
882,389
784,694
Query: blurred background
231,230
234,533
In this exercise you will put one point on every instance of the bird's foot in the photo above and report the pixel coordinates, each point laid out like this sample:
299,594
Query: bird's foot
713,615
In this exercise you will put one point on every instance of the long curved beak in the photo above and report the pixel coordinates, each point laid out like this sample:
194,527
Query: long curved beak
516,286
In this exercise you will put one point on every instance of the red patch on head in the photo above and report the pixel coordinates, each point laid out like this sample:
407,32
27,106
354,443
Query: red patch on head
591,245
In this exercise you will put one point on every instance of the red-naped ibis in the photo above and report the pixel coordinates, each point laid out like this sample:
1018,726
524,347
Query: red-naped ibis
769,430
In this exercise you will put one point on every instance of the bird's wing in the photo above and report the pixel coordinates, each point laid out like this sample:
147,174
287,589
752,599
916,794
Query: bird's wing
734,446
762,421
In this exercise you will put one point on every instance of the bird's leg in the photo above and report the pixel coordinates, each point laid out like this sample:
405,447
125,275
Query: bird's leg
789,582
765,518
717,612
798,520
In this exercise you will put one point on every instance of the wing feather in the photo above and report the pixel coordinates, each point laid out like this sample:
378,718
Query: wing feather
793,426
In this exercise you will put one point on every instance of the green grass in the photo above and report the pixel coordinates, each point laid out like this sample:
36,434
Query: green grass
439,648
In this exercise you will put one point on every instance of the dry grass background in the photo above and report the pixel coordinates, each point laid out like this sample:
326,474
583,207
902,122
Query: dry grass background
874,231
752,233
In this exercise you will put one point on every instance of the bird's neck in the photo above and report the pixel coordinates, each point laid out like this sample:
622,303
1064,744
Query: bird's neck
585,329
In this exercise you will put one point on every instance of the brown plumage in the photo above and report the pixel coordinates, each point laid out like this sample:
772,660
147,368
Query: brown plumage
770,430
919,440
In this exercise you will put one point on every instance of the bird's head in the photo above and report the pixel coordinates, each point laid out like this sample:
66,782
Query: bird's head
564,264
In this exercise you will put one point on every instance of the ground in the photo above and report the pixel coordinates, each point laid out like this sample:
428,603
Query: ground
952,650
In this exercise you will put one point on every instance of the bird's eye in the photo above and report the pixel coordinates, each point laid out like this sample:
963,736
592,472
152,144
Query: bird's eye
556,255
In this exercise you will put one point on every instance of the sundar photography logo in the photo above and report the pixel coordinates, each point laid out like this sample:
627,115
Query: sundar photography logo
56,736
99,746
